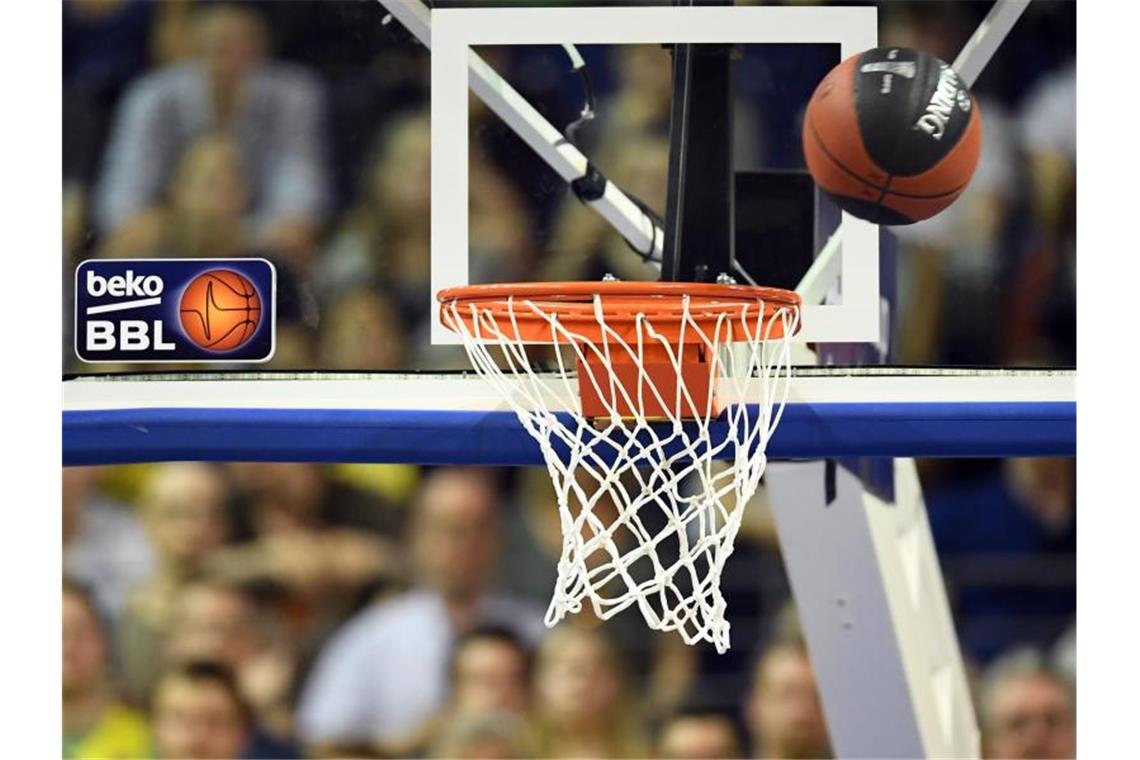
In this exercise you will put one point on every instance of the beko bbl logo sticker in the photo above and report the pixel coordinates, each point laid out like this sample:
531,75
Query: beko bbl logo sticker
175,310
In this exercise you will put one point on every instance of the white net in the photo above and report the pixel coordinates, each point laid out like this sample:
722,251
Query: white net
649,508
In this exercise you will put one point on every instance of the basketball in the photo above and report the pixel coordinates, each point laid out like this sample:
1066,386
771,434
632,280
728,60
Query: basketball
220,310
892,135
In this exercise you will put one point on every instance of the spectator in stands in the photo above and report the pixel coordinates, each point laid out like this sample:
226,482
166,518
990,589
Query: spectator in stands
104,47
317,545
1027,710
640,105
783,711
1018,523
104,546
215,622
383,676
95,723
184,511
485,736
490,678
203,217
490,672
700,734
584,708
1042,303
387,236
277,496
198,712
212,621
362,329
1049,135
295,347
272,111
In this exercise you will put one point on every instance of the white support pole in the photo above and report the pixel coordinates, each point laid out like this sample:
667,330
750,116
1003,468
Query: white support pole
823,273
987,38
414,16
545,139
562,156
875,614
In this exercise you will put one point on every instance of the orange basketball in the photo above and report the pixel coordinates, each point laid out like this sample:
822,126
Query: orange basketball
892,135
220,310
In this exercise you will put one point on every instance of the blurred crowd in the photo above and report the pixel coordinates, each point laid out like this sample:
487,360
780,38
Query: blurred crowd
282,610
288,610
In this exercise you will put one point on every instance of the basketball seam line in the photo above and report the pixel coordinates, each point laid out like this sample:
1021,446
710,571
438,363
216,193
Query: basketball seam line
859,124
883,193
836,161
863,180
924,197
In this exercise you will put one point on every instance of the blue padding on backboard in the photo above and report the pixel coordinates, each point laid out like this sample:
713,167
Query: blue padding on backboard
807,431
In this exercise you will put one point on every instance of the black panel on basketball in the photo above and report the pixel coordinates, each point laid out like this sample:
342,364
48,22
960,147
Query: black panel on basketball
908,109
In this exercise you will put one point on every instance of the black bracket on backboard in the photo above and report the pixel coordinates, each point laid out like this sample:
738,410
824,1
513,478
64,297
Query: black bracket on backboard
829,484
699,217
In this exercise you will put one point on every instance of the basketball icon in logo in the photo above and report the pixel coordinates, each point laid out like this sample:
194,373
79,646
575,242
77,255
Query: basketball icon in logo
220,310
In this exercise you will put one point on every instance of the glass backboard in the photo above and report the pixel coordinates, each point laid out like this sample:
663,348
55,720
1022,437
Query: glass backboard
399,171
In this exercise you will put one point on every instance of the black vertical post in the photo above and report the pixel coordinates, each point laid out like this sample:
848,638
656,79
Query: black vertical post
699,217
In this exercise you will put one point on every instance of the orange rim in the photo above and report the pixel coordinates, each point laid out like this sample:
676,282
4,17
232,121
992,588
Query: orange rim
662,304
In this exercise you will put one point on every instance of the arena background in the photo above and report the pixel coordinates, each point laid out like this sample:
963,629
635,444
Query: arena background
396,611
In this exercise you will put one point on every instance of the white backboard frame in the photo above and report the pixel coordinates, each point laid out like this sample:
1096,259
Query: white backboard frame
855,319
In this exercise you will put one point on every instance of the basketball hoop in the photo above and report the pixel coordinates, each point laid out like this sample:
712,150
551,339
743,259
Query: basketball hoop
644,395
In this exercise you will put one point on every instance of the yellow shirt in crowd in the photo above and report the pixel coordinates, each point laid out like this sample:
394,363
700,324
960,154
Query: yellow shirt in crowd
120,734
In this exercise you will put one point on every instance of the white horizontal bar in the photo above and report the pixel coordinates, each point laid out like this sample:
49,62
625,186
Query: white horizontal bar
642,25
470,392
